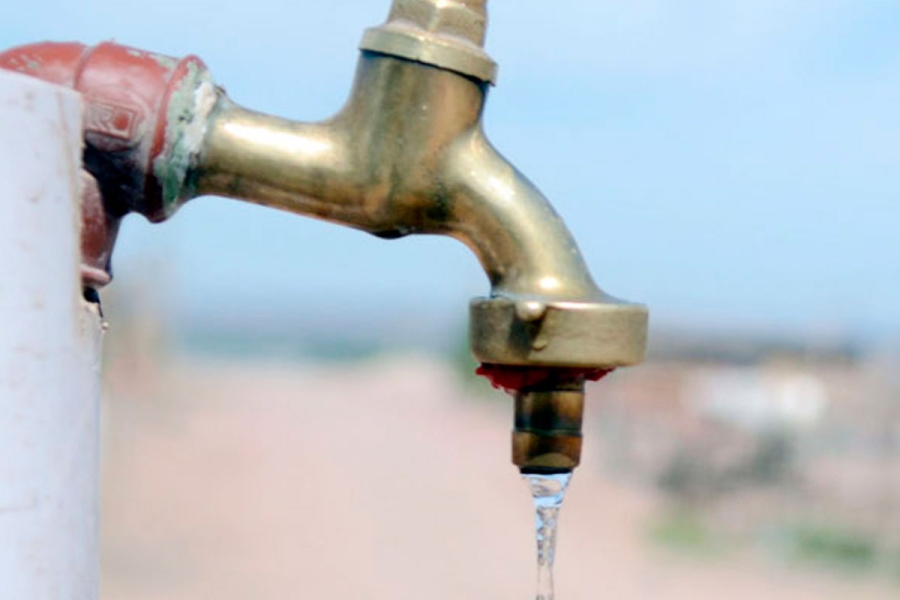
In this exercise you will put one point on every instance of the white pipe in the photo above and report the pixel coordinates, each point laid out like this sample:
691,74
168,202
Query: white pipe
49,353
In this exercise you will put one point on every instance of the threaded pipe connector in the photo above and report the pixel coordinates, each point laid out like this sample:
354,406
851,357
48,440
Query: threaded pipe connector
547,434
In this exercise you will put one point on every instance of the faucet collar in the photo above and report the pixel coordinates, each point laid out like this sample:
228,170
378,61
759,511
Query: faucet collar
448,34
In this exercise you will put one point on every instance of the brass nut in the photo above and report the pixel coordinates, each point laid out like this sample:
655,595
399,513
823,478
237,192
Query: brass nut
571,334
448,34
466,20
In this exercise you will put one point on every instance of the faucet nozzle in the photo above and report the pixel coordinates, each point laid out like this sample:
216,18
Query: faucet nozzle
547,434
548,415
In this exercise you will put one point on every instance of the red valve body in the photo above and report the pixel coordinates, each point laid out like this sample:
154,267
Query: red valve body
127,95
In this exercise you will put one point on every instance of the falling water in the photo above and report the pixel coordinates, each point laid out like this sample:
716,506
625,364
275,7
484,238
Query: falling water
548,492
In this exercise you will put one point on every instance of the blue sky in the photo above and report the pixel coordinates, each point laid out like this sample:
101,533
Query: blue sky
733,163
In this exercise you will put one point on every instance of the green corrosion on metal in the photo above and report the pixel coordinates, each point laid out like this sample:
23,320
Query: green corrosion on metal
188,110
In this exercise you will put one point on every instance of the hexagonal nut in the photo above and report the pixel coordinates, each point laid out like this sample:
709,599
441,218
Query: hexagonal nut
605,334
463,19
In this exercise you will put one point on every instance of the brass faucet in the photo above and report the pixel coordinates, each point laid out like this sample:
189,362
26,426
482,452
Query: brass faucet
408,155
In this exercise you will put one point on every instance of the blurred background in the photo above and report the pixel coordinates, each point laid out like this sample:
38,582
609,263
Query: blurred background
290,409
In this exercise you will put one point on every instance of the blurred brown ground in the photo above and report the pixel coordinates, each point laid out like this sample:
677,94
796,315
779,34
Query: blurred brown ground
383,479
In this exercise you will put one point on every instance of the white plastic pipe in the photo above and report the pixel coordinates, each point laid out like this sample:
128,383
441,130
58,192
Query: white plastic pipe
49,353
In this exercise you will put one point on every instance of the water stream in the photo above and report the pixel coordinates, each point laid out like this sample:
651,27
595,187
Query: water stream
548,492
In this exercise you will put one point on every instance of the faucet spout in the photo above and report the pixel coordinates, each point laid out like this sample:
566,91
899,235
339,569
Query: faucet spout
407,154
522,244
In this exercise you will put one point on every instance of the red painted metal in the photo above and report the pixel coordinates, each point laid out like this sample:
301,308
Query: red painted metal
126,94
511,379
98,234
